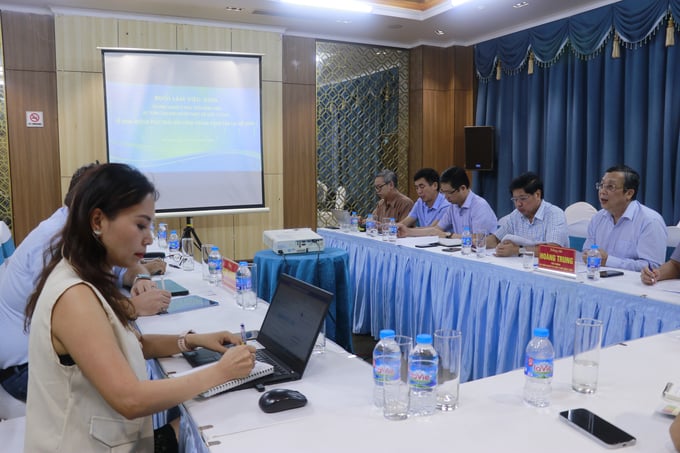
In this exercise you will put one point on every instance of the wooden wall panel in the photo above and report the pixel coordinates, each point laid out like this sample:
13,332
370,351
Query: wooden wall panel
299,132
78,39
30,85
82,131
197,37
33,151
266,43
28,41
147,35
299,163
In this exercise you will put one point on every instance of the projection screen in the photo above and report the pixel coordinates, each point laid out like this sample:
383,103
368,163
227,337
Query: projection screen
192,122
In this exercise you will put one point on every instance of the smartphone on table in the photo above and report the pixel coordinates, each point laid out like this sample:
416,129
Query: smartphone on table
598,428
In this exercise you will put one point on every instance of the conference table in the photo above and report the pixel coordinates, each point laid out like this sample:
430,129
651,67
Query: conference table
491,417
492,300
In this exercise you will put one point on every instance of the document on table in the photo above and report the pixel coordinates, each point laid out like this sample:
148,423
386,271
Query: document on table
518,240
672,286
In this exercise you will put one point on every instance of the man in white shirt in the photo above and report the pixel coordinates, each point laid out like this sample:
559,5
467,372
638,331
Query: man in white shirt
533,222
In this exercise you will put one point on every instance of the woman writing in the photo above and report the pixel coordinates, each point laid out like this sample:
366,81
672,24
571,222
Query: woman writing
88,388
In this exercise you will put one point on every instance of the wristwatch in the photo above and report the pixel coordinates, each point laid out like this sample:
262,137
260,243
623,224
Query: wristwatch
182,341
140,277
448,235
522,250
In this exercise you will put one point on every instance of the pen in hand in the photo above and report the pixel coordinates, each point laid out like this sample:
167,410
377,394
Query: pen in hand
651,270
243,333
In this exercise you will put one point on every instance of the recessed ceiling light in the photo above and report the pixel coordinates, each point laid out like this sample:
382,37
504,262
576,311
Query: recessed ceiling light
439,32
520,5
343,21
234,9
458,2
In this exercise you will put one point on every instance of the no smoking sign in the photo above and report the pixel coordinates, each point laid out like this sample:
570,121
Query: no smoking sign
34,119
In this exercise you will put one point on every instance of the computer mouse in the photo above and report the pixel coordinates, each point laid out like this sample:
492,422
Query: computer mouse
277,400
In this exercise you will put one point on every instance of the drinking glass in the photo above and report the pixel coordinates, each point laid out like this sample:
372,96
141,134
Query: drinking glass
447,343
396,403
187,254
587,343
528,260
479,241
205,252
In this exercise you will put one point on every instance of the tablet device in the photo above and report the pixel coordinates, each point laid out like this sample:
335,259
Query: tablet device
175,288
186,303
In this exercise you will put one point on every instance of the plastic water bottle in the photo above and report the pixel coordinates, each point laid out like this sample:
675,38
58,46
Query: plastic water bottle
173,242
466,241
163,235
245,296
538,369
392,231
386,364
371,227
593,262
422,376
215,266
354,222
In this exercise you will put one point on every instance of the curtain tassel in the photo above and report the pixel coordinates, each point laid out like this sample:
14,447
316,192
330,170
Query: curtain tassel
670,33
530,64
616,49
498,70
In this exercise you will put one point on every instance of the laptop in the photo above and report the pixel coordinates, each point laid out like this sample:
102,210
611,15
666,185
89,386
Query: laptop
288,333
341,216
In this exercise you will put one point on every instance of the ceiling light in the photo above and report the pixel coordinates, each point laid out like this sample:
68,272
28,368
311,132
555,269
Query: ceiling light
458,2
344,5
439,32
234,9
520,5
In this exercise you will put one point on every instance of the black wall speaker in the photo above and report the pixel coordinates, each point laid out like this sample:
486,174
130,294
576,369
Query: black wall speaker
479,147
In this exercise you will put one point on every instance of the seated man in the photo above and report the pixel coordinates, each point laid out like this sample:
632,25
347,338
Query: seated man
430,205
667,271
392,204
629,234
534,221
18,278
466,209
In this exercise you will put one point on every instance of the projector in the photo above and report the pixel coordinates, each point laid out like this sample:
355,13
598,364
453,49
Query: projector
297,240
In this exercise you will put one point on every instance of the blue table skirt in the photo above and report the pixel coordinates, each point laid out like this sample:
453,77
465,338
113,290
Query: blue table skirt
328,270
496,308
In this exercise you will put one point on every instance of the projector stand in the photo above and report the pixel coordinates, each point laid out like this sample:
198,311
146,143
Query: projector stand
190,232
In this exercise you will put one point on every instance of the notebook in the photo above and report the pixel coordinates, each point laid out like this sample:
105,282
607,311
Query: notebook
175,288
288,333
260,369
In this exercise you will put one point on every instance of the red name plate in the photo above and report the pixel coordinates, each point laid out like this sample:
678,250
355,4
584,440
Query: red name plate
557,258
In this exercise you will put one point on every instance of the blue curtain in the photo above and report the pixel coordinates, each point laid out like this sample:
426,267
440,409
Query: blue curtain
582,111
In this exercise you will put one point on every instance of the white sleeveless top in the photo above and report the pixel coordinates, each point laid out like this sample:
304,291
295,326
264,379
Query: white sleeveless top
64,411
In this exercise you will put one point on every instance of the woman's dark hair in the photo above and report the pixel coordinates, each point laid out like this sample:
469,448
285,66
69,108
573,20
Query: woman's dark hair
111,188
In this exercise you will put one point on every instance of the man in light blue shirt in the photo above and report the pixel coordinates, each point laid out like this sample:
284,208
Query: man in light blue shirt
430,204
628,234
466,209
533,222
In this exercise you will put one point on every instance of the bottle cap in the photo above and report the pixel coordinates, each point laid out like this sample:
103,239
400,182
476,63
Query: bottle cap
425,338
243,263
214,248
173,231
594,247
386,333
541,332
467,228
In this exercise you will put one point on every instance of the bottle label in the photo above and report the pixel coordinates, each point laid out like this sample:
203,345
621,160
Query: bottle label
538,368
244,284
393,229
594,261
466,241
384,370
422,375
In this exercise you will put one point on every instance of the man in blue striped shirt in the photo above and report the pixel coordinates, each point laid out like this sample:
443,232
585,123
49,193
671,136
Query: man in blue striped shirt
533,222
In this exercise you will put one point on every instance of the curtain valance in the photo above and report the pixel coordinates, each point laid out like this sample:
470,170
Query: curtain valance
586,34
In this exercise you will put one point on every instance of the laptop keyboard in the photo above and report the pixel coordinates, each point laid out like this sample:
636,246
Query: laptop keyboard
260,356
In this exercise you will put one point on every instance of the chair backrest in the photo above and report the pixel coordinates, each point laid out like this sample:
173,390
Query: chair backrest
6,242
579,211
673,236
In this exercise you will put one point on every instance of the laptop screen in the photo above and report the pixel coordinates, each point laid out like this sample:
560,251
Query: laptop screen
293,321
